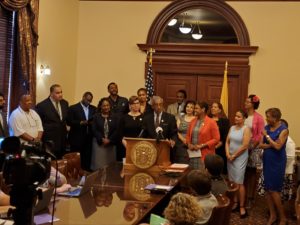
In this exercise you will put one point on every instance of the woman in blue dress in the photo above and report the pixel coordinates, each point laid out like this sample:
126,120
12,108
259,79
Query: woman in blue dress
274,162
237,144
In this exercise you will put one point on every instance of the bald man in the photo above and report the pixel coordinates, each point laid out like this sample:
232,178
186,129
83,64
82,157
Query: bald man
25,123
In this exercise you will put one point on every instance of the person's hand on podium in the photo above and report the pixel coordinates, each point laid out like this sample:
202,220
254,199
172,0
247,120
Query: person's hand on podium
171,142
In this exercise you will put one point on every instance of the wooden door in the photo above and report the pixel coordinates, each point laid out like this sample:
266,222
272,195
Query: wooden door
168,84
203,87
210,88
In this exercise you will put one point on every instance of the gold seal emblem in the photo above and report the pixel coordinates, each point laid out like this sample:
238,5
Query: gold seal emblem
137,183
143,154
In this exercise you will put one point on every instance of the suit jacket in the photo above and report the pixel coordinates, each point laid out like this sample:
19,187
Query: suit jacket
98,128
172,108
167,123
209,134
3,127
54,128
80,136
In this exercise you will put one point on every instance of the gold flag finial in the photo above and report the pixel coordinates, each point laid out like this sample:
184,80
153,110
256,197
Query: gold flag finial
150,52
224,92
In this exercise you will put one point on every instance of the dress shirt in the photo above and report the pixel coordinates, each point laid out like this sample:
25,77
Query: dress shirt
21,122
86,110
57,107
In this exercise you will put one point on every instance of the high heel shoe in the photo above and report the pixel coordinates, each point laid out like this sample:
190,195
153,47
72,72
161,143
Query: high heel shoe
235,207
244,215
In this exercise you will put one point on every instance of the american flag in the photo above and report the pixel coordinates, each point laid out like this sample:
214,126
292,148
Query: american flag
149,82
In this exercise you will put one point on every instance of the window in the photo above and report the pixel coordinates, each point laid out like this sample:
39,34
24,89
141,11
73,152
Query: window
7,43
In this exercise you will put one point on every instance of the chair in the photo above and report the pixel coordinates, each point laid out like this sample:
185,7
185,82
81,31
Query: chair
74,170
231,192
221,214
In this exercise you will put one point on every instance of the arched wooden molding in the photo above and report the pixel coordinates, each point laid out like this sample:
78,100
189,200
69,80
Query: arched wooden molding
218,6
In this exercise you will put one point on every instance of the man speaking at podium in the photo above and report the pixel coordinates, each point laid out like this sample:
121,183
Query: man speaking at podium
160,125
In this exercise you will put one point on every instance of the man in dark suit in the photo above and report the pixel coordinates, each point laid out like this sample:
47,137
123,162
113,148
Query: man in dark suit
119,106
3,122
53,112
159,124
79,119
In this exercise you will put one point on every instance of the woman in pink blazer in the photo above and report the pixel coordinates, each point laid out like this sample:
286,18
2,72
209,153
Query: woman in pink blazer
202,136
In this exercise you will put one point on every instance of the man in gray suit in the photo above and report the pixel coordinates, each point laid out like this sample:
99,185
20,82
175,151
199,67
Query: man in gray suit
177,107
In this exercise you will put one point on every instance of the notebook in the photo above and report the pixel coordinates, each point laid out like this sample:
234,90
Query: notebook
157,220
44,202
78,191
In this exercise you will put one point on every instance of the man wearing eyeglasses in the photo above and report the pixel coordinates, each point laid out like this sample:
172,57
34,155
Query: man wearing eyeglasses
25,123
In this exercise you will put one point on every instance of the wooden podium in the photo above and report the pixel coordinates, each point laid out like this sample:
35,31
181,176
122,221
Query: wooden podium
146,154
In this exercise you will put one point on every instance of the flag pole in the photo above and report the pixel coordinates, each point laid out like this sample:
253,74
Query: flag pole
149,79
224,92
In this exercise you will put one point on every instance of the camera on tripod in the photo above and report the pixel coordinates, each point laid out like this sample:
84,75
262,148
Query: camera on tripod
24,168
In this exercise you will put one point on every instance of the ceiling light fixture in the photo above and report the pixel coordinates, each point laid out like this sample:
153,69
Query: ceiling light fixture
197,35
172,22
184,28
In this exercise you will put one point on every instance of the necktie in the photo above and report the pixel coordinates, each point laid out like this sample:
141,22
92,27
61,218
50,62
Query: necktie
57,109
106,129
157,120
178,108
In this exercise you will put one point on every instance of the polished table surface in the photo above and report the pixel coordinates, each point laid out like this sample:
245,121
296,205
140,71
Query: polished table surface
116,198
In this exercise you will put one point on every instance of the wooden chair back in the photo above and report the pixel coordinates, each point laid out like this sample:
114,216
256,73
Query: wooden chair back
221,214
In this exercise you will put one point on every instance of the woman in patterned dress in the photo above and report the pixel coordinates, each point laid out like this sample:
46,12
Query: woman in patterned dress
183,122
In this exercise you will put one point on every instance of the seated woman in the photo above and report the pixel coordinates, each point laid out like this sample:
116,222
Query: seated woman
200,183
183,209
61,183
214,166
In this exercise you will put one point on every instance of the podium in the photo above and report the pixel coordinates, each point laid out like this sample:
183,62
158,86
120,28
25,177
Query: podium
146,154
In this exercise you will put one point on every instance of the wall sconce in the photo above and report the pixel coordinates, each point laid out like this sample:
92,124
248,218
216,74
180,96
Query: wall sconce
45,70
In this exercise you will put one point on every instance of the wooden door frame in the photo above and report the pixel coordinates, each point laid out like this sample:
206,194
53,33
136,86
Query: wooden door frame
201,58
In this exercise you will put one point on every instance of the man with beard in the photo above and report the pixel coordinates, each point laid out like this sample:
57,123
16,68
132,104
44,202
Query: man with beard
119,104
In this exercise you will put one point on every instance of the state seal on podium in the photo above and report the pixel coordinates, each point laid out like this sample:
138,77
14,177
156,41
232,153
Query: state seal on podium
143,154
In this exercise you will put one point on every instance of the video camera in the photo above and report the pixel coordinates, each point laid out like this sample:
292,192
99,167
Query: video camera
25,164
25,167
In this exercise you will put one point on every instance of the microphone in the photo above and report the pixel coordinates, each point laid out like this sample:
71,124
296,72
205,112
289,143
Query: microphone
159,132
141,133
